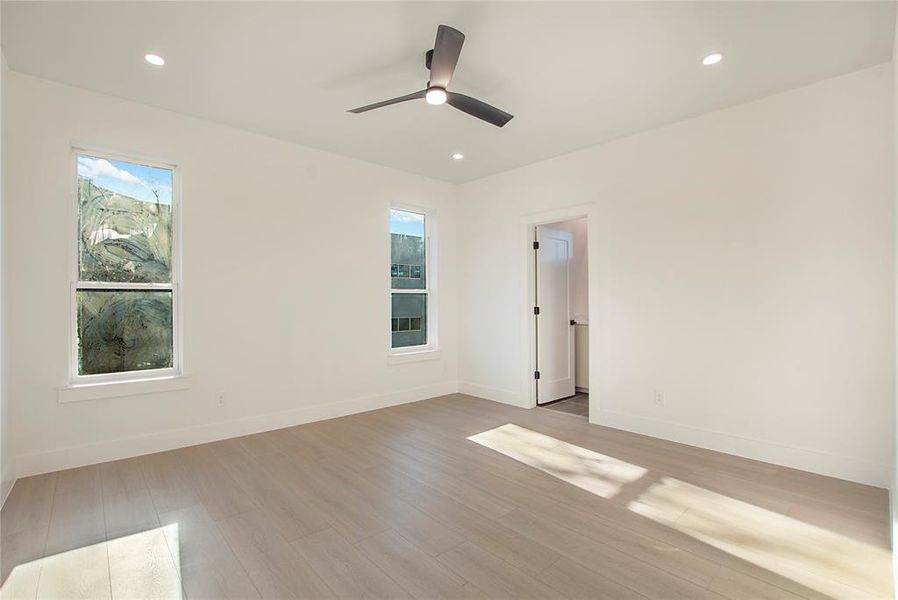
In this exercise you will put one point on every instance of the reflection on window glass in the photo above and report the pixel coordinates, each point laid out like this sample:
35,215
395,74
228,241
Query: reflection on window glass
405,271
407,250
123,330
409,316
408,272
125,221
406,324
125,233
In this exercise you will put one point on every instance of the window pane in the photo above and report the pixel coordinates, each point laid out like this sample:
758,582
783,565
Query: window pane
125,221
410,309
124,330
407,250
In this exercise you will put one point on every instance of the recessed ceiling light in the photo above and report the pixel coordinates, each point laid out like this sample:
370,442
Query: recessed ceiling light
458,156
712,59
154,59
435,95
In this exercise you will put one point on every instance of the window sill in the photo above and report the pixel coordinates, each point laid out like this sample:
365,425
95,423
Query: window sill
78,392
400,358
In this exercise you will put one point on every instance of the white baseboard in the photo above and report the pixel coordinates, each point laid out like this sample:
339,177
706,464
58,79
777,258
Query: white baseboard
489,393
843,467
89,454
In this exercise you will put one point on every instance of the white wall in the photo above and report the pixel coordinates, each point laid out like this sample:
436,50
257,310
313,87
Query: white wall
894,486
741,262
7,466
285,295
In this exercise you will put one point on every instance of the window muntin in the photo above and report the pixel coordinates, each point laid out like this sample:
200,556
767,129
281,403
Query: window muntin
125,297
410,287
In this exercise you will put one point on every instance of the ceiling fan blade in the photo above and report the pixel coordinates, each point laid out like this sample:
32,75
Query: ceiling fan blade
446,50
414,96
481,110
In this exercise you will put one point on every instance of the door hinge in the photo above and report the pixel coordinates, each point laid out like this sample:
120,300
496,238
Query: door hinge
536,310
536,374
536,245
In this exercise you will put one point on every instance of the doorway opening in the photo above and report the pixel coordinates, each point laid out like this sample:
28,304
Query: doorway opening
561,316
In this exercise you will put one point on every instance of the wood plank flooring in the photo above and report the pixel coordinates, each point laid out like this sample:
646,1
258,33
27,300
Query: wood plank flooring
400,503
575,405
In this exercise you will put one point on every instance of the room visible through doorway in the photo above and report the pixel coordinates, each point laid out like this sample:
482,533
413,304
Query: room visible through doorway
561,316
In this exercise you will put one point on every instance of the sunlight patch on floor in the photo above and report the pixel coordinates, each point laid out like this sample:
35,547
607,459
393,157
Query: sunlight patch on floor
817,558
597,473
132,566
821,560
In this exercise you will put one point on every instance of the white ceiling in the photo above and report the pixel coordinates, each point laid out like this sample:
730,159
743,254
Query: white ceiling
573,74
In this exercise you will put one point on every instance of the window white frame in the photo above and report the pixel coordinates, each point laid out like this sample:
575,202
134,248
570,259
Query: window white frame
176,370
430,282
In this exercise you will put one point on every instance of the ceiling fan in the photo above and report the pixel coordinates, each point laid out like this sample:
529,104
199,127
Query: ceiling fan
441,61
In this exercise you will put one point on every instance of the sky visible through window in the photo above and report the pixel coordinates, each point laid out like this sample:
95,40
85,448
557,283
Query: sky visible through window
141,182
407,223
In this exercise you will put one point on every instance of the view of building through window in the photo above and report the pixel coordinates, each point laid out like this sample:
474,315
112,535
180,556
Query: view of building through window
408,276
124,294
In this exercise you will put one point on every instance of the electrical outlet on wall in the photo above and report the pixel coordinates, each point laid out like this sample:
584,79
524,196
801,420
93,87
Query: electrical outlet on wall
220,399
659,397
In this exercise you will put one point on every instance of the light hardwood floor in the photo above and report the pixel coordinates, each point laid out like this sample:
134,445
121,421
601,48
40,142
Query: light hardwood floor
400,503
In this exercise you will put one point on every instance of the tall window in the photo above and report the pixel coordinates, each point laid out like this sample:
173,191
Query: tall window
125,294
410,280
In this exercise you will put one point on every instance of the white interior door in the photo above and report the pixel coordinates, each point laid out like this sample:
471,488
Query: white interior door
554,333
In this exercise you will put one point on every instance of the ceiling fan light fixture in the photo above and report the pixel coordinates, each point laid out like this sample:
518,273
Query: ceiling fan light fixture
436,96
